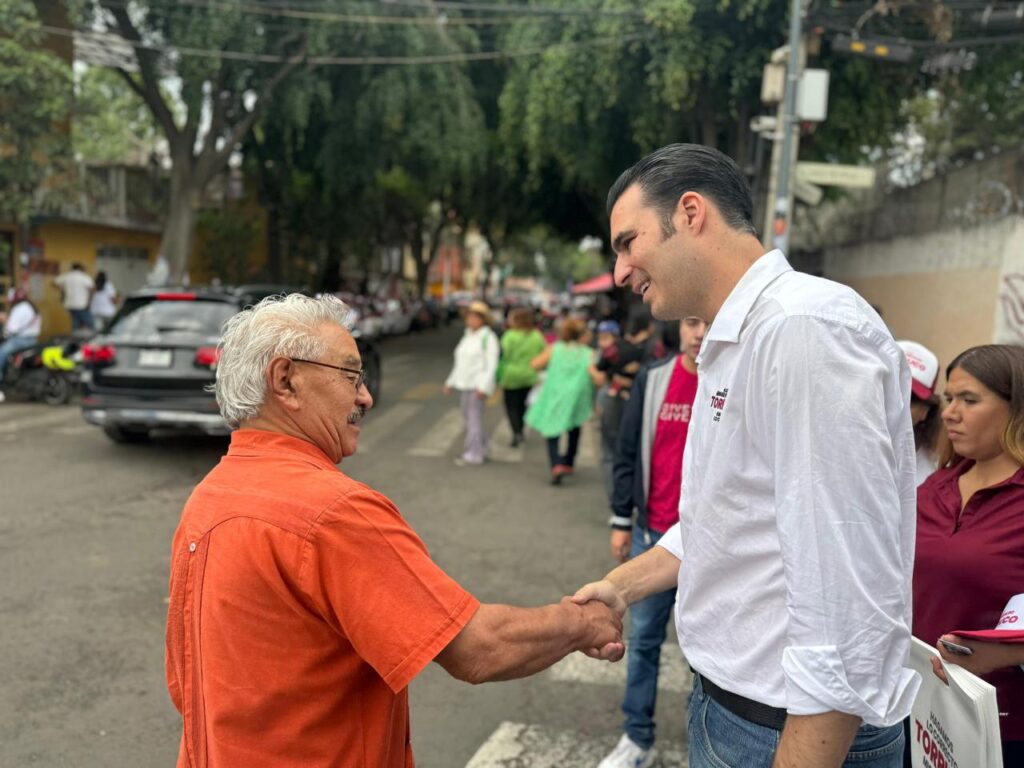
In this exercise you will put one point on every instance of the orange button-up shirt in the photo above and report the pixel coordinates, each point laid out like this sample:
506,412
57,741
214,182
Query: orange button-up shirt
302,605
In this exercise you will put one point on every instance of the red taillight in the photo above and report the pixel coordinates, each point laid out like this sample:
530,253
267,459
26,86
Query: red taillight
175,297
207,357
99,354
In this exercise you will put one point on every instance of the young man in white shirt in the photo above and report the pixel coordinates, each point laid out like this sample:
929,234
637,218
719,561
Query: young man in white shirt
797,511
77,288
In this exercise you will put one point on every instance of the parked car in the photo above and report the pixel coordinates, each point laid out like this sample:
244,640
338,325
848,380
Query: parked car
152,367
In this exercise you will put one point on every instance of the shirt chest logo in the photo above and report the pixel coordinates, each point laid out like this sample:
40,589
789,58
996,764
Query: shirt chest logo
674,412
718,403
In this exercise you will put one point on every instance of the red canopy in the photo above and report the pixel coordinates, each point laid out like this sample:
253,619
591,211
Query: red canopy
600,284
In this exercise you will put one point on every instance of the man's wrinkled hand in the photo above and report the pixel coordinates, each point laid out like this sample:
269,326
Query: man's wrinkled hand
447,389
603,631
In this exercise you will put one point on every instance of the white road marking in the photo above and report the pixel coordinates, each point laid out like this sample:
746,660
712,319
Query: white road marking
516,744
441,437
84,429
377,427
674,674
57,416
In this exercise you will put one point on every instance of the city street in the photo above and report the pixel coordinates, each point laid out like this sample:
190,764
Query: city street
85,530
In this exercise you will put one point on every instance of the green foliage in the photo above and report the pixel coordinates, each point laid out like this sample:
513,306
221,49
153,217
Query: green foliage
685,71
228,235
542,252
963,115
35,100
111,123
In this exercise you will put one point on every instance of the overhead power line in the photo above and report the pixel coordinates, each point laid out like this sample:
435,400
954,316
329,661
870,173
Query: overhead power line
459,5
501,14
354,61
179,8
357,18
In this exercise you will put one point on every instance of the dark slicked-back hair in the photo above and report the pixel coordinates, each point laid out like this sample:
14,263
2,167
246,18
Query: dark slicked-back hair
665,174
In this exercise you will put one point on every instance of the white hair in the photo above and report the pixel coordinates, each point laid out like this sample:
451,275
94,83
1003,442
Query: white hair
279,326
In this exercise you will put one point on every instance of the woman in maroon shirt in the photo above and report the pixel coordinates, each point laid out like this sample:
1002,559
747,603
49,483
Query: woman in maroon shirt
970,526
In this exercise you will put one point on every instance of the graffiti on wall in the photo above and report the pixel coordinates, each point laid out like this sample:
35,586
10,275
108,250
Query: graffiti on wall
1011,301
991,200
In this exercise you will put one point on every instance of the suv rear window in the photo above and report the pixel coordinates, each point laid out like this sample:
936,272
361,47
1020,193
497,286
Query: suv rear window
148,317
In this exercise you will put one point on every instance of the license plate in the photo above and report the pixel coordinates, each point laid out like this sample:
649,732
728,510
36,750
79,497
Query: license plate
155,358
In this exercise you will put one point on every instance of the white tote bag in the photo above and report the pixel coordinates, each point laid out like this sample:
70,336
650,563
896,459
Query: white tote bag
954,726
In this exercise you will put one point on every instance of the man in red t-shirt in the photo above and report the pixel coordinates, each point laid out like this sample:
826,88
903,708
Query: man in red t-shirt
301,603
648,479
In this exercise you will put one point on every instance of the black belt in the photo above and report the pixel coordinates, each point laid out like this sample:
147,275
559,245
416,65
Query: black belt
741,706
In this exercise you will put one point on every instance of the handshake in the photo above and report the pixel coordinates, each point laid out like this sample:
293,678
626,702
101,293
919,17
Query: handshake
602,607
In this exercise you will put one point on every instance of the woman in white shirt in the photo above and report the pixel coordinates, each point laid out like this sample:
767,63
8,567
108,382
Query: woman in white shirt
924,405
104,300
473,375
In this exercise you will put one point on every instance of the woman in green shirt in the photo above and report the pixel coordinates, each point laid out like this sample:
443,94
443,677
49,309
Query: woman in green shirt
520,344
566,398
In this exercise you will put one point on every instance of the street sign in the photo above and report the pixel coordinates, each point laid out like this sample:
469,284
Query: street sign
807,192
836,175
812,96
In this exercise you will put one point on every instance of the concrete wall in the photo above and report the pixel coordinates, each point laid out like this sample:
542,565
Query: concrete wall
942,289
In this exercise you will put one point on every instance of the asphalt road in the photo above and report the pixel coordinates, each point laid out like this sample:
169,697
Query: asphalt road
85,530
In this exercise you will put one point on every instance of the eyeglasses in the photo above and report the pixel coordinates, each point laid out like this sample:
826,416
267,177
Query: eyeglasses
360,376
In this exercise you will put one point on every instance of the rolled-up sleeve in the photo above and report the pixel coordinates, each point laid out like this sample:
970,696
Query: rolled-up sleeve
672,540
833,420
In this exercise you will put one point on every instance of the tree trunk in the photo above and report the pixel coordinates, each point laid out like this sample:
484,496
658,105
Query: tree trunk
275,271
706,111
179,228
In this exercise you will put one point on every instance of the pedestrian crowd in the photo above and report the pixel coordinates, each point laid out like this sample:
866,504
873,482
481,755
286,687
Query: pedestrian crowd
794,489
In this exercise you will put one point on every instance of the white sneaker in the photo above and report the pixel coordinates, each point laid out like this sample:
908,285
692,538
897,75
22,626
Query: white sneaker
627,754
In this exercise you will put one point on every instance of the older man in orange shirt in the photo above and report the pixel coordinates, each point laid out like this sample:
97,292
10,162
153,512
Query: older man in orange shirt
302,604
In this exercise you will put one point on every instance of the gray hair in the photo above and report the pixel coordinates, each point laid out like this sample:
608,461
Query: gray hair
279,326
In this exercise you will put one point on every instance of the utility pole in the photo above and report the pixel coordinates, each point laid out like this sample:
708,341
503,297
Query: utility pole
780,199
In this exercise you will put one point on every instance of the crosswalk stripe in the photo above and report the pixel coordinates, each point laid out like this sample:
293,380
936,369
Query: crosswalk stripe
423,391
498,448
379,426
673,675
441,436
518,744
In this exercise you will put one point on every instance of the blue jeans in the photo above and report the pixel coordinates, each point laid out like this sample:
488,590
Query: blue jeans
648,620
81,318
720,739
11,347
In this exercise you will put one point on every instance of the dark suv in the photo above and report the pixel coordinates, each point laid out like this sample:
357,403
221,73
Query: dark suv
151,367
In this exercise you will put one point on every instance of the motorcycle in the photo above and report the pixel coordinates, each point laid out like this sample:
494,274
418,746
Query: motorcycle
48,372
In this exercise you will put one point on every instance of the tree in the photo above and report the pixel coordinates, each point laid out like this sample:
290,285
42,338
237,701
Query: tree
35,100
110,123
231,92
675,71
359,157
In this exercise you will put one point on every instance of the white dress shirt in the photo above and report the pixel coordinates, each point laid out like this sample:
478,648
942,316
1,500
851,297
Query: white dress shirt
476,361
797,515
